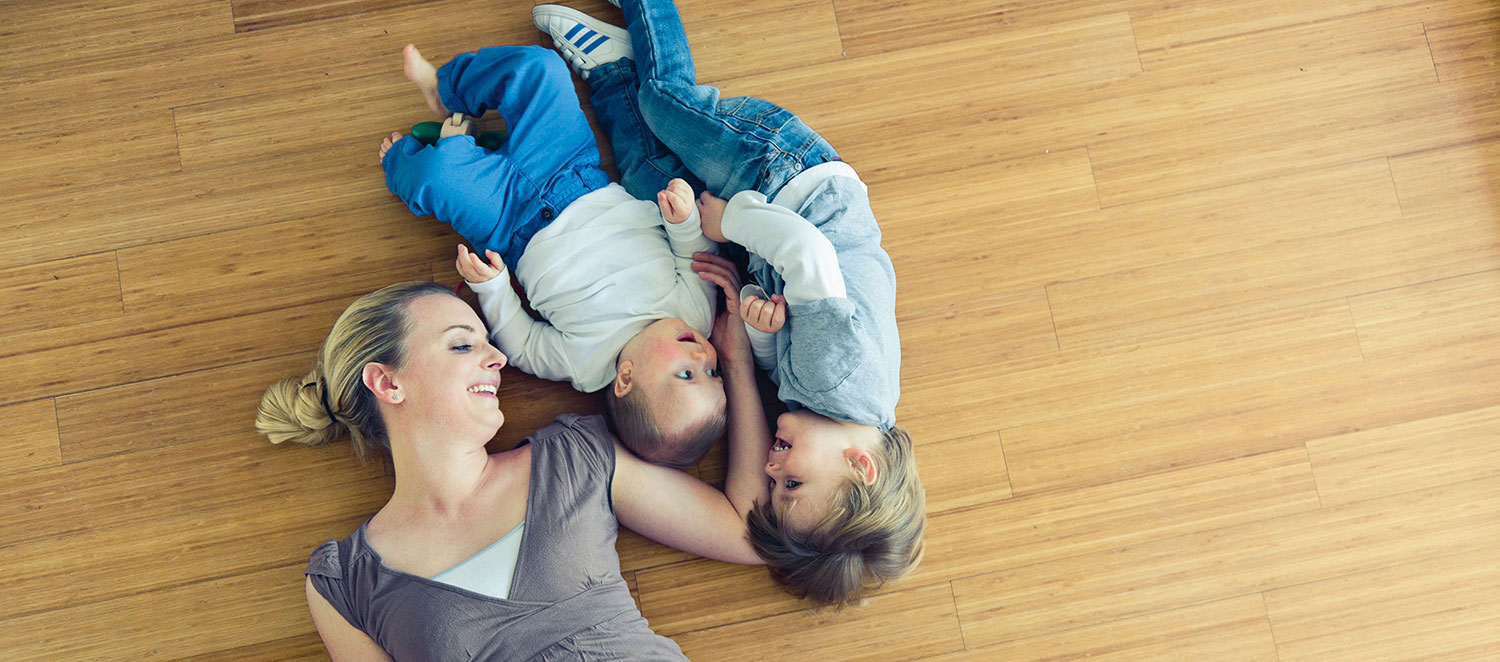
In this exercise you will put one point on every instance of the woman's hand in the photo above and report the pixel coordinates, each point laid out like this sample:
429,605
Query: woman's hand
711,209
476,270
728,335
676,201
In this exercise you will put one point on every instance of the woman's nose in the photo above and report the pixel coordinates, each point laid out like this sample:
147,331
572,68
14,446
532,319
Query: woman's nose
498,362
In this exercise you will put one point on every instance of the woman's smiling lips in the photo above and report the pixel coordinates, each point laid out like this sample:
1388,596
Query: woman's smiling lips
486,389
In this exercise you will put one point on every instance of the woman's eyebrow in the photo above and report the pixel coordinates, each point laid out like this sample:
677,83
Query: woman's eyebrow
459,326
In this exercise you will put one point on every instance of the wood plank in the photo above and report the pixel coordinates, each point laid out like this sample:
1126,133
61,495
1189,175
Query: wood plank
963,472
951,336
129,489
170,410
263,14
146,77
1029,251
1408,456
769,40
65,154
700,593
1034,186
1441,608
276,528
242,262
1035,529
338,116
1232,629
60,293
1452,313
152,345
1163,27
1087,50
895,626
880,26
1123,308
267,605
1463,41
1289,123
32,437
1281,412
81,221
1013,533
1452,182
301,648
1235,560
1085,380
56,32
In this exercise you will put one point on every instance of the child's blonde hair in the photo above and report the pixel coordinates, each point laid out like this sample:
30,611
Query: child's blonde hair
332,398
871,536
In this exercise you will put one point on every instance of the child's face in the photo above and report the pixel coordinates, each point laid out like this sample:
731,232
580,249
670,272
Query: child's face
678,370
811,459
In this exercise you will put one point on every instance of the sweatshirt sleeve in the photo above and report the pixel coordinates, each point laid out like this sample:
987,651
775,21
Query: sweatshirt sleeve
684,239
792,246
535,347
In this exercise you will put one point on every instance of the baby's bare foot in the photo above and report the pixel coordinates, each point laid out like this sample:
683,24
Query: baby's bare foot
418,70
385,145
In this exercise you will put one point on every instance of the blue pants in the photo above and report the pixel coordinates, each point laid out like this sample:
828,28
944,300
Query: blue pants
732,145
498,199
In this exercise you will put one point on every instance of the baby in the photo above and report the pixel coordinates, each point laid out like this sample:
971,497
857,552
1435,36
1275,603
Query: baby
611,275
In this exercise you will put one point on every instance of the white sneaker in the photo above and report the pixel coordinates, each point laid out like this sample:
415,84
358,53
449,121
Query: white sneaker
584,41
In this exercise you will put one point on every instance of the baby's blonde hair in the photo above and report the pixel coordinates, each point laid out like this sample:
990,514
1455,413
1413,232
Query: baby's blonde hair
871,536
332,398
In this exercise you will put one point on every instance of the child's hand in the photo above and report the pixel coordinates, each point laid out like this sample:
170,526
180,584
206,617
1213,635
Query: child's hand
766,316
676,201
474,269
711,209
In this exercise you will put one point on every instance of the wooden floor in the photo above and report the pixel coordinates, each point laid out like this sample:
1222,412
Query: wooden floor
1198,302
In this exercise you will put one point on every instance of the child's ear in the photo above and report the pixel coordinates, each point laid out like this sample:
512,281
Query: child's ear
863,464
380,380
623,379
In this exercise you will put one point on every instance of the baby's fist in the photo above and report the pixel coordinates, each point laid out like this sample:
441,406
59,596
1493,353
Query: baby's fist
476,270
676,201
765,315
712,211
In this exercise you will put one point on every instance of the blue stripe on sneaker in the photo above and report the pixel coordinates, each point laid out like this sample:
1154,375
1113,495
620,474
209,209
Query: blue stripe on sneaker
574,31
583,38
597,43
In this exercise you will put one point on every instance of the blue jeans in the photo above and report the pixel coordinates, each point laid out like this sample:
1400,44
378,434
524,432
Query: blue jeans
732,145
498,199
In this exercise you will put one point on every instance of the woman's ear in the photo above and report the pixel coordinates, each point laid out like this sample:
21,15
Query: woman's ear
623,379
863,464
379,379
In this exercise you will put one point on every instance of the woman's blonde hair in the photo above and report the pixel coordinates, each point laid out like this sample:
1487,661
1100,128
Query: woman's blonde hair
871,536
332,398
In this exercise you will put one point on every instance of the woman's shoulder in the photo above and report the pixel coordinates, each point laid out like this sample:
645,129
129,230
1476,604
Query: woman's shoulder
577,440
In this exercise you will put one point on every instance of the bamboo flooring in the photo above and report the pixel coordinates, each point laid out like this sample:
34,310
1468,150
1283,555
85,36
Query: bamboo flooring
1198,304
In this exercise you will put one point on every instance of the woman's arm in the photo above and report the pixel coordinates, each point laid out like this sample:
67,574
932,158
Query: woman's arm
344,642
678,510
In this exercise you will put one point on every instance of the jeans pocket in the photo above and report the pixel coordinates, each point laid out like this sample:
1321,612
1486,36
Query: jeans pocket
759,112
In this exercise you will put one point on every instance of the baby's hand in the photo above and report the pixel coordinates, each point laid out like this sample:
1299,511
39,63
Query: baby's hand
675,201
474,269
766,316
712,211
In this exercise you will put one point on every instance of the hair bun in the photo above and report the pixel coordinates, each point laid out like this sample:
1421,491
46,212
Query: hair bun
294,410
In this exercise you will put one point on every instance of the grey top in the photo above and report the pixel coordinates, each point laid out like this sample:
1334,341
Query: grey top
567,598
841,357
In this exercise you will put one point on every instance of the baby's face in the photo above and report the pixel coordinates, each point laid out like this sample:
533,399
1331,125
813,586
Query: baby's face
678,369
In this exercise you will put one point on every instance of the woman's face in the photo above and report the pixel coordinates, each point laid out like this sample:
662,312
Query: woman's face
451,377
